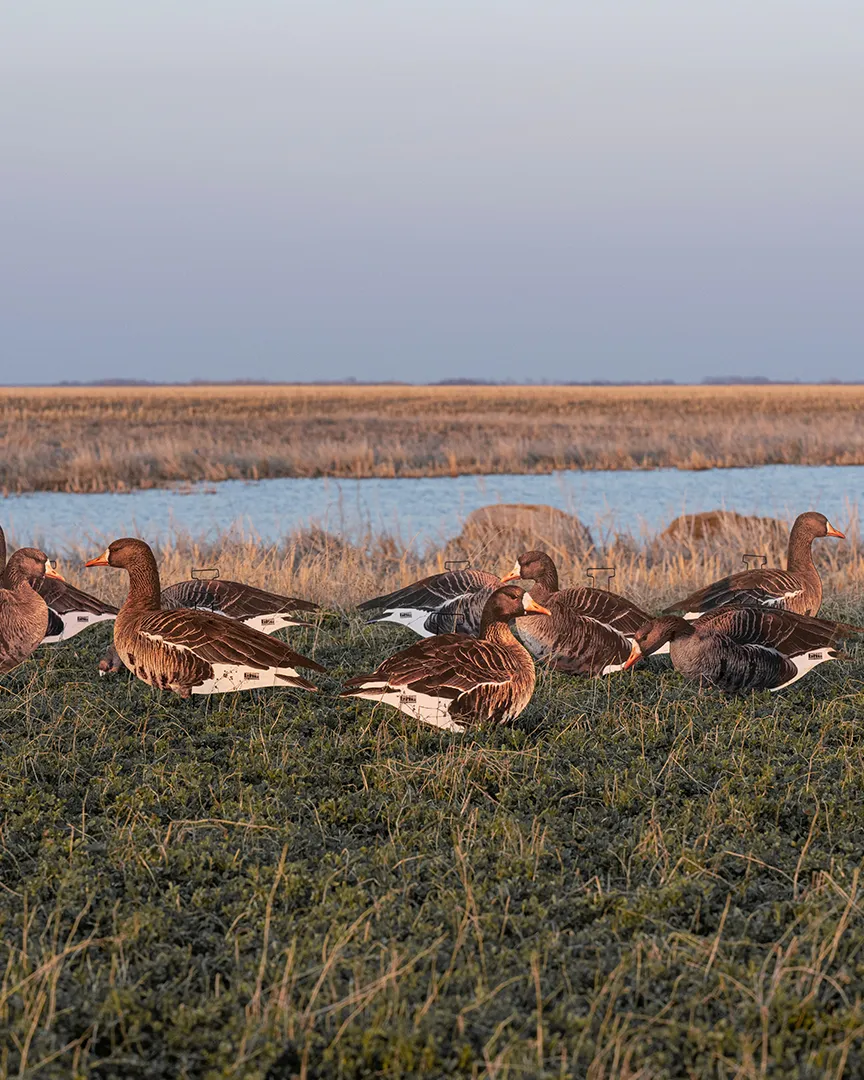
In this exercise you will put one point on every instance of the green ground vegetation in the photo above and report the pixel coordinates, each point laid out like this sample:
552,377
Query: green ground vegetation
635,880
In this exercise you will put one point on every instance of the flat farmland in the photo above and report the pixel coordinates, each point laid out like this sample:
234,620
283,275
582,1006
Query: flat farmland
114,439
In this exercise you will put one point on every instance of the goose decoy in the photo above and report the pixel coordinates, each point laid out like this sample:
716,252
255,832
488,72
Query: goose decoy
70,610
743,648
798,588
446,603
187,650
262,610
588,631
23,612
452,681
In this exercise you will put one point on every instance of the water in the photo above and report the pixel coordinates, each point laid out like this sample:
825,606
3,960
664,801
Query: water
426,511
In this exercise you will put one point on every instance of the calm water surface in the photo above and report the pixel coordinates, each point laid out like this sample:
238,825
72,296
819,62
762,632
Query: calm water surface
425,511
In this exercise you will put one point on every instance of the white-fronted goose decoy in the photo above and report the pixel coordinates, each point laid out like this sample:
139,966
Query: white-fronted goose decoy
262,610
452,681
187,650
70,610
738,649
588,631
798,588
448,603
23,612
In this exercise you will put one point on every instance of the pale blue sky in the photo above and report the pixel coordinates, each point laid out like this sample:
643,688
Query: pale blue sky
625,189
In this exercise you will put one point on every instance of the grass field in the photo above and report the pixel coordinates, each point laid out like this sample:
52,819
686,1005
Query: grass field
119,438
634,880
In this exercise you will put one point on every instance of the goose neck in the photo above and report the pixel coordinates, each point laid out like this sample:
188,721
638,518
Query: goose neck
144,592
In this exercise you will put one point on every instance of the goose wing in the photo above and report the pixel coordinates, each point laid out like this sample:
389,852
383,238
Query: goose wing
433,592
231,598
783,632
571,642
219,640
64,598
756,588
603,606
447,666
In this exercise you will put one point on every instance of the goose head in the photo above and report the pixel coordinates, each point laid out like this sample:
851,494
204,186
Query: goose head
654,635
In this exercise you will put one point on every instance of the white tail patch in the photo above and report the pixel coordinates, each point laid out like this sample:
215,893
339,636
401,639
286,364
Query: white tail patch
806,662
691,615
423,707
412,618
74,622
230,677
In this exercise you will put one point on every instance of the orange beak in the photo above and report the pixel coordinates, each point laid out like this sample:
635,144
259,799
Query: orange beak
102,560
831,531
529,604
514,575
50,571
635,654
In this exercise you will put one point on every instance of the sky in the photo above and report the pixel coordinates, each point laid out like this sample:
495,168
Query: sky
396,190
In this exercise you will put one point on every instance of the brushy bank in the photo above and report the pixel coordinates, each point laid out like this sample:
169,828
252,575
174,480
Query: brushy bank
635,880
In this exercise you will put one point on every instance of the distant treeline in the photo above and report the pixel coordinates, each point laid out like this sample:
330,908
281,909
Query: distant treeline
709,380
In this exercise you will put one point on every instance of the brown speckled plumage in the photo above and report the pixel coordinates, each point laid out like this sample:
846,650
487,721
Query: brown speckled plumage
587,632
798,588
191,651
490,677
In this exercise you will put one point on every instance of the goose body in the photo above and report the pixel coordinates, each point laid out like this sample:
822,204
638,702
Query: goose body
451,602
23,612
262,610
452,681
70,610
798,588
738,649
190,651
588,631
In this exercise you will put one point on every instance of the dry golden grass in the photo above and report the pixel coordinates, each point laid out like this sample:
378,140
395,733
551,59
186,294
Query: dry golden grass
70,439
652,571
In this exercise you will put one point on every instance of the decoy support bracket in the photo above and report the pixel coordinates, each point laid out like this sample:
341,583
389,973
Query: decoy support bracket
594,572
457,564
746,557
205,573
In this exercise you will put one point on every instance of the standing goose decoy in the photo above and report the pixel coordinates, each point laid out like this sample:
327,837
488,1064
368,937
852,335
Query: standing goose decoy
798,588
23,612
446,603
589,631
262,610
70,610
452,681
187,650
737,649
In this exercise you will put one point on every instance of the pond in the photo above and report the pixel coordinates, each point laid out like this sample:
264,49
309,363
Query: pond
427,511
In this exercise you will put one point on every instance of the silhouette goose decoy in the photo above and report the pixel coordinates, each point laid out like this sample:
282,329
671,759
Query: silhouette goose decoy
262,610
188,650
798,588
588,632
737,649
70,610
451,602
23,612
452,681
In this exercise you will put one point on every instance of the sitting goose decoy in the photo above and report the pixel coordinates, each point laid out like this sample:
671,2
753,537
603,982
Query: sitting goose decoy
23,612
191,651
452,681
262,610
589,631
743,648
798,588
446,603
70,610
